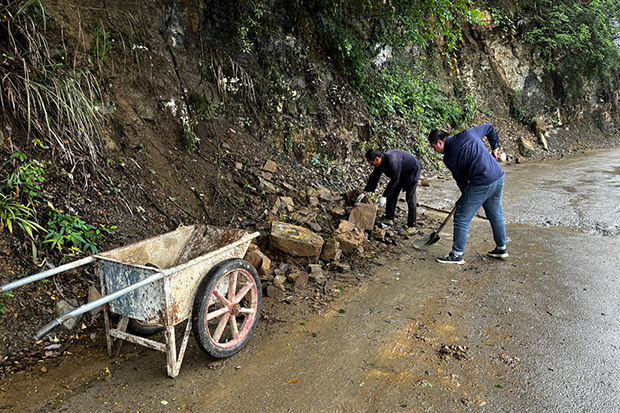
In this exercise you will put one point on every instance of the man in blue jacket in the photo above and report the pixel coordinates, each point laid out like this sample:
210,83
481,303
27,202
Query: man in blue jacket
403,169
481,181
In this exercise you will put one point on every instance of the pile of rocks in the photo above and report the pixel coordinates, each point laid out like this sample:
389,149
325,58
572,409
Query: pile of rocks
307,236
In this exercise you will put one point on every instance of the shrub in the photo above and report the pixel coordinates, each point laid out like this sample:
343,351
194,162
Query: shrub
70,233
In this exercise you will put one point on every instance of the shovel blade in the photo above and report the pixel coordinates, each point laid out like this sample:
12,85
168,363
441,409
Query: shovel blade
426,240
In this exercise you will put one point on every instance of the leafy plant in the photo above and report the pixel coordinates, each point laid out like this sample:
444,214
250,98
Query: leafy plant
4,294
320,160
72,233
410,96
26,180
421,21
13,213
575,39
101,44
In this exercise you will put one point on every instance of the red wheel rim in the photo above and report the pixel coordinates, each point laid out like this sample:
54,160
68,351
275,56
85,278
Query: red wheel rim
231,312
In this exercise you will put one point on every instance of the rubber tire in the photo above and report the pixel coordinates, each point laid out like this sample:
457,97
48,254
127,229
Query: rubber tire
143,329
203,332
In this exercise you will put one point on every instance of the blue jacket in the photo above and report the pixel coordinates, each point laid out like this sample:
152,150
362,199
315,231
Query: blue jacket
401,167
468,158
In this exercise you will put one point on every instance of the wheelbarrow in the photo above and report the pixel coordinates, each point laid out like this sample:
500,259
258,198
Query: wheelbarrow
195,273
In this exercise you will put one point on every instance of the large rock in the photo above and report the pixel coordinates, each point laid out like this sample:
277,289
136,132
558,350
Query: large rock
331,250
364,215
349,236
526,147
294,240
540,130
260,261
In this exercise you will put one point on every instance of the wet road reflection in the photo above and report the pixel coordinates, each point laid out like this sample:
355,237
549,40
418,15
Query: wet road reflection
580,192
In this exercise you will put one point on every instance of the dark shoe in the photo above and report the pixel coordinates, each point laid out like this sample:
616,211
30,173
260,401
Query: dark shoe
497,253
451,259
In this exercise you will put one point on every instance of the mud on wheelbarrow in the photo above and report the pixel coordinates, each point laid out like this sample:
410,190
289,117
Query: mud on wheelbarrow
195,273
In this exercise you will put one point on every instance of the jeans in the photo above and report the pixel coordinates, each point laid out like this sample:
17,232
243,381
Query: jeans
412,201
488,197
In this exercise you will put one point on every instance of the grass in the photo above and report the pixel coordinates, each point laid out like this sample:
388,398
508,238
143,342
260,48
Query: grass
43,96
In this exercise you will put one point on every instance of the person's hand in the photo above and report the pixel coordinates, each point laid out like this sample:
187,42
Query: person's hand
496,152
382,201
360,197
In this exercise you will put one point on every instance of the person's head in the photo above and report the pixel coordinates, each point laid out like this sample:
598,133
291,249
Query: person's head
437,139
374,157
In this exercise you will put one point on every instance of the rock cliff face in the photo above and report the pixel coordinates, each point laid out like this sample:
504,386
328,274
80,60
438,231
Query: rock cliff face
505,71
321,109
176,68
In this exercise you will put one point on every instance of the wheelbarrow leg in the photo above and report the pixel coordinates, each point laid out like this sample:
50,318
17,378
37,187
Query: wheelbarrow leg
114,344
173,362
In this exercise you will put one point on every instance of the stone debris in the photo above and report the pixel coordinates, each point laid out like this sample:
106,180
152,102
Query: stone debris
260,261
270,166
309,235
363,216
331,250
294,240
349,236
455,351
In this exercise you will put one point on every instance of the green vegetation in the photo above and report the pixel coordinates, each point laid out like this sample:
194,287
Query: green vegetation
320,160
20,194
26,180
13,213
573,39
7,294
101,44
70,234
402,100
40,93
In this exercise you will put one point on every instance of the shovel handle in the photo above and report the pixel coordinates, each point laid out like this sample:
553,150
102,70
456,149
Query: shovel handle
443,224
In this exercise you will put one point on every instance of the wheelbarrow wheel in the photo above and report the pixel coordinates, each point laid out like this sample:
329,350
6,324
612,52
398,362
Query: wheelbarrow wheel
142,328
226,308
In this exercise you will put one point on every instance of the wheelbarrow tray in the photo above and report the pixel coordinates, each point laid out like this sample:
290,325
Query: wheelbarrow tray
186,254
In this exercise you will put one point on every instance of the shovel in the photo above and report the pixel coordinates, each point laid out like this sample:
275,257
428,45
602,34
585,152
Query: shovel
433,237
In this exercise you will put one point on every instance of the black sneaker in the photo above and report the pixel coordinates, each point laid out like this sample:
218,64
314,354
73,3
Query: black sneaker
497,253
451,259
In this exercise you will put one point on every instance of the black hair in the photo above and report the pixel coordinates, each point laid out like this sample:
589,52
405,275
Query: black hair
437,135
372,154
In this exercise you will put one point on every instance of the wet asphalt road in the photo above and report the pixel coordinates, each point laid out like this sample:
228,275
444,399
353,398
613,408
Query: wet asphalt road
538,332
580,192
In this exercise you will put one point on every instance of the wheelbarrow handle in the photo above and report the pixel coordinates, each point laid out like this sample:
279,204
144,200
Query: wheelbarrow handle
96,303
47,273
46,330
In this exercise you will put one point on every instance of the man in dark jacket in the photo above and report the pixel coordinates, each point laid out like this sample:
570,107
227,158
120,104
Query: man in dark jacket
481,181
403,169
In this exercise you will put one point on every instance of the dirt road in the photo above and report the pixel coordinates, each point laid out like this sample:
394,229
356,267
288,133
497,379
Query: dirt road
537,332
